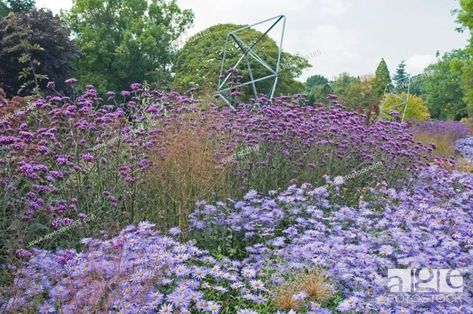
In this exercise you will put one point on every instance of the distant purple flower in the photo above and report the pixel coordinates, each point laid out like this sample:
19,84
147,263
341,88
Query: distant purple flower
135,86
71,81
125,93
51,85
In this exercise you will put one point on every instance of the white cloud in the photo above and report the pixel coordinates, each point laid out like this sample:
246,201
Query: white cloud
417,63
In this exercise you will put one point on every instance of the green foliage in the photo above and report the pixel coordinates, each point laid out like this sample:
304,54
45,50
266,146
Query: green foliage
443,86
33,46
382,82
315,80
199,61
4,10
355,92
319,93
417,84
21,5
401,78
125,41
465,17
318,87
343,86
416,107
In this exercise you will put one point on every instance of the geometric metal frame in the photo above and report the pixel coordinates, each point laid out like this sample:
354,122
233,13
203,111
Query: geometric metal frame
247,52
407,96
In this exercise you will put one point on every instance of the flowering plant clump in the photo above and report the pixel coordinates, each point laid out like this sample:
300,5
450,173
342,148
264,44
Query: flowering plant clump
428,227
299,252
63,159
68,157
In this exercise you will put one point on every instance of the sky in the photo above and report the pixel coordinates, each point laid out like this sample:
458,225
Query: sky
340,35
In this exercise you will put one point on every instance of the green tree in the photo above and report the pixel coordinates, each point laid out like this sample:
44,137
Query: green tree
401,78
125,41
342,86
319,93
317,88
417,85
356,93
416,108
34,46
315,80
198,63
3,9
21,5
443,87
382,81
465,18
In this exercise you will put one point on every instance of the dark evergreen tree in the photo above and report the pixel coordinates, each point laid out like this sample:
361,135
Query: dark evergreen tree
382,81
401,78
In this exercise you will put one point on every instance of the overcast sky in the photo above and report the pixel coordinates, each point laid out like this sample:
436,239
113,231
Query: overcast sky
340,35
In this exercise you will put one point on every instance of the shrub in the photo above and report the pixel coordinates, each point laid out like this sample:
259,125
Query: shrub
416,107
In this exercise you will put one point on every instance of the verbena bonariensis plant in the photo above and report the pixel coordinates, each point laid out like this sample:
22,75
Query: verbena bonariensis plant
67,158
305,143
452,129
64,159
281,238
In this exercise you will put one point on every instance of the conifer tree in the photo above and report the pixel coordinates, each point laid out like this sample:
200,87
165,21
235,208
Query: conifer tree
382,81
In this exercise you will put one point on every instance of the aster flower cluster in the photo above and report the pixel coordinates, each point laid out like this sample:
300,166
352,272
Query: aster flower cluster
465,147
281,236
300,228
138,271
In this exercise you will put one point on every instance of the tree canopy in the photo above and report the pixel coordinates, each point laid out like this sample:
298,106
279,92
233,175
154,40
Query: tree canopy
465,17
3,9
125,41
382,81
34,44
401,78
317,88
356,93
198,63
443,87
21,5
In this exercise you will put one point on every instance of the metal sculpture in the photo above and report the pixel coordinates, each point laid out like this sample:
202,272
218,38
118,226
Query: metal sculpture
224,88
